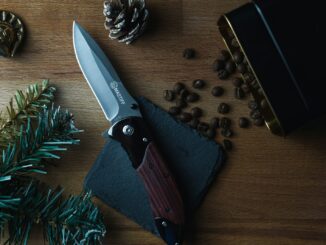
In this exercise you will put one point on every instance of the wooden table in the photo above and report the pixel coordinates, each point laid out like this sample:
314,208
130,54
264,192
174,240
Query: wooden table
272,191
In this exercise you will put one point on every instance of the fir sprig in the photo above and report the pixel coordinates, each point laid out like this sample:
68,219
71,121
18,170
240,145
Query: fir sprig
27,105
75,220
35,132
55,128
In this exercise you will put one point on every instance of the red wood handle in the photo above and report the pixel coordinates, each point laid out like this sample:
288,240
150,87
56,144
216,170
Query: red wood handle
165,198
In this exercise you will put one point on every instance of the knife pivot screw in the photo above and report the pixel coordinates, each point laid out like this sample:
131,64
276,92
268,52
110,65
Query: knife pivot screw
145,140
128,130
164,224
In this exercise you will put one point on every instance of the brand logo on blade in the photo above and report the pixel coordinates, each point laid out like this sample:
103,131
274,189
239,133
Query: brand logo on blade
114,85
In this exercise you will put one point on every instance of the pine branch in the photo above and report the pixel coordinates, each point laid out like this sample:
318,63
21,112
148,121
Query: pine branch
27,105
74,220
55,129
35,133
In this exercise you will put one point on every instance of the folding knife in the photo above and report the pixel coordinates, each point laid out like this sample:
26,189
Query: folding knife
129,128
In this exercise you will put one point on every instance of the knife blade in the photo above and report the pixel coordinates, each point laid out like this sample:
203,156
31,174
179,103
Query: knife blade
129,128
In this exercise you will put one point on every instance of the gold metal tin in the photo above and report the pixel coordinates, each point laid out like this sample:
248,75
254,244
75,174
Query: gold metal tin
257,91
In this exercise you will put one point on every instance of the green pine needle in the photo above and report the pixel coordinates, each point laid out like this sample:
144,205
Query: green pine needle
34,131
27,105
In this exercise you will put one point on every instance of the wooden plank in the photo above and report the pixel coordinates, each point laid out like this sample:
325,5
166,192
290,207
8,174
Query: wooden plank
272,190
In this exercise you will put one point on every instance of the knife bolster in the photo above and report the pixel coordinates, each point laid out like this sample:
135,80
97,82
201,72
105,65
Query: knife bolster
134,136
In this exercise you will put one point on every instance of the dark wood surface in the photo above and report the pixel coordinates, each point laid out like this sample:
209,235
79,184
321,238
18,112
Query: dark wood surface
272,190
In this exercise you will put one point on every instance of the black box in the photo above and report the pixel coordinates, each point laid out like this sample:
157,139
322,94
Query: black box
284,45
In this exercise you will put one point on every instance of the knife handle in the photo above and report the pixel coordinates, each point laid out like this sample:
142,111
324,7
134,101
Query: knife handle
164,196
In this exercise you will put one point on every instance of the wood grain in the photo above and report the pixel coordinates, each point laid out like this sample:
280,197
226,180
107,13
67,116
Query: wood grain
272,191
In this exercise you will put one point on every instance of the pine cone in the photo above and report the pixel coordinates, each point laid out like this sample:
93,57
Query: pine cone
125,19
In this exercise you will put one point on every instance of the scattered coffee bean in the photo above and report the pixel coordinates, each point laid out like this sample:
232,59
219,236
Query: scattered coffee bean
239,93
243,122
255,114
225,122
263,104
189,53
177,88
259,122
224,55
217,91
237,82
184,93
242,68
202,127
223,108
249,77
218,65
238,57
198,84
230,66
185,117
181,103
192,97
215,123
227,144
235,43
174,110
252,105
169,95
223,74
226,132
194,123
245,88
210,133
196,112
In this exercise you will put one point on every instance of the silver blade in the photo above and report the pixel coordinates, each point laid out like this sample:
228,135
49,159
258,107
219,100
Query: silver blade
105,83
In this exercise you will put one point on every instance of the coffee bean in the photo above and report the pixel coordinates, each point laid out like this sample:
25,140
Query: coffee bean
249,77
235,43
223,108
217,91
238,57
255,114
177,88
259,122
169,95
242,68
225,122
263,103
223,74
239,93
237,82
245,88
192,97
184,93
189,53
194,123
181,103
185,117
252,105
215,123
196,112
230,66
210,133
198,84
218,65
226,132
227,144
243,122
224,55
202,127
174,110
